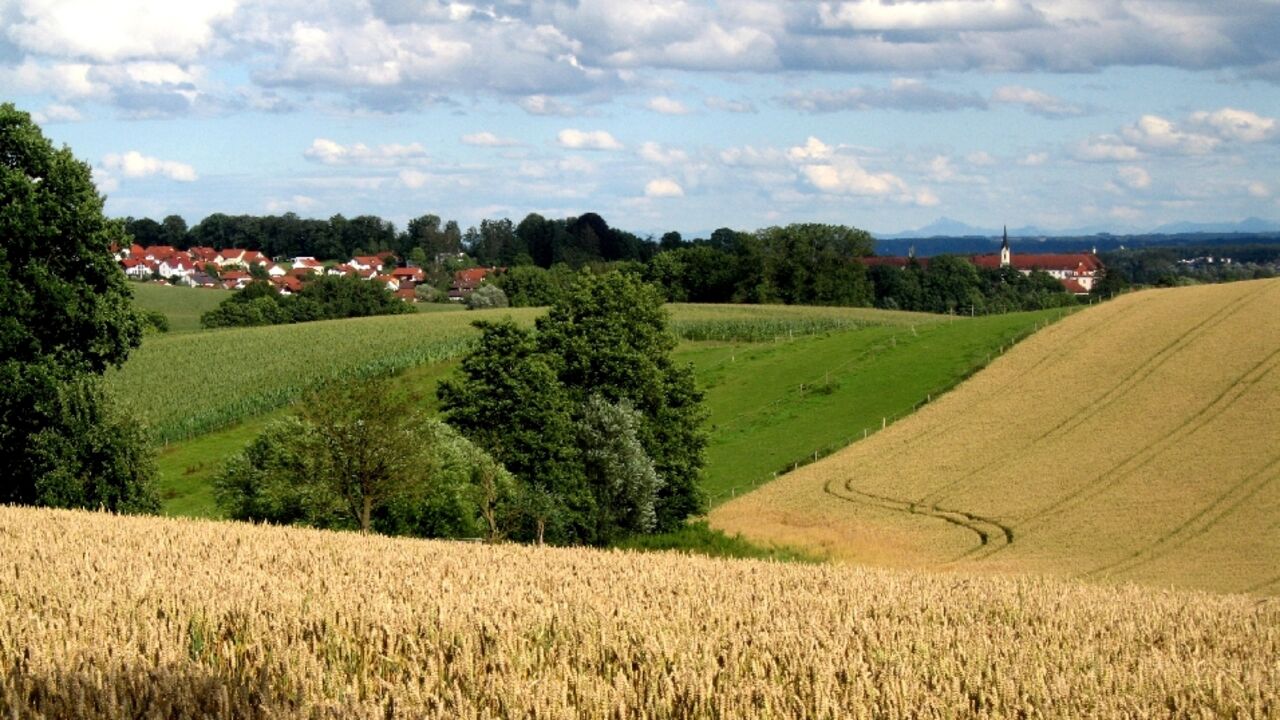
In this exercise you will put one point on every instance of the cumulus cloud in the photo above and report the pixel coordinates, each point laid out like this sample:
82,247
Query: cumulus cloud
663,188
834,172
487,139
1133,177
940,169
413,179
134,164
575,139
655,153
1239,125
1105,148
119,30
56,114
902,94
329,152
543,105
1036,102
961,15
1034,159
980,158
1156,134
667,106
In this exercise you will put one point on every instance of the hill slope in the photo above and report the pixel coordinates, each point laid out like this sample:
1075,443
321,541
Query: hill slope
104,616
1136,440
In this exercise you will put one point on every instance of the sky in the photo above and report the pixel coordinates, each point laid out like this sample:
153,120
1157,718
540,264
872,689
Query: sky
663,114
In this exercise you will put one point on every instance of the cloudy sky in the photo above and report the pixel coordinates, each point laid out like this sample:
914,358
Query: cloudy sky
663,114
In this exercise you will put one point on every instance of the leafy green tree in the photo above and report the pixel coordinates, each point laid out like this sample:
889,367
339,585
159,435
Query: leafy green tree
67,318
486,297
525,395
360,456
618,470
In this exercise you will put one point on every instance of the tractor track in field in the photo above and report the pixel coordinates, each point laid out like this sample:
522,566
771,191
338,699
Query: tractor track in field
990,532
1151,364
1235,497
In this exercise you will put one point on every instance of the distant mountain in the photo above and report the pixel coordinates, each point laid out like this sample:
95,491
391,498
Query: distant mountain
945,227
1248,225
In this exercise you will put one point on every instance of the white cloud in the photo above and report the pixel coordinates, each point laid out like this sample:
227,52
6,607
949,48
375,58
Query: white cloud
413,179
940,169
292,204
329,152
658,155
120,29
726,105
1156,134
575,139
902,94
1036,102
1259,190
663,188
964,15
487,139
842,174
667,106
134,164
57,113
1239,125
1105,148
543,105
1034,159
1133,177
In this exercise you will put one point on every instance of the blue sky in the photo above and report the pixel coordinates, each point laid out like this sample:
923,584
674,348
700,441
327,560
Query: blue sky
664,115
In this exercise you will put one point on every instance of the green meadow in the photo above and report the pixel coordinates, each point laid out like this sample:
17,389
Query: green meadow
784,385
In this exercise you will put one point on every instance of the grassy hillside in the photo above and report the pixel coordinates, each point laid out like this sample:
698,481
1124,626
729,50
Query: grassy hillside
774,405
106,616
1137,440
183,306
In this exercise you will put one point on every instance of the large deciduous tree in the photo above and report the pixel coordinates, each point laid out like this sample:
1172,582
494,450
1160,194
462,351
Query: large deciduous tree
589,411
67,318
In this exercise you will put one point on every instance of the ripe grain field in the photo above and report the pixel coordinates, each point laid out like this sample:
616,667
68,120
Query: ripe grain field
1137,440
112,617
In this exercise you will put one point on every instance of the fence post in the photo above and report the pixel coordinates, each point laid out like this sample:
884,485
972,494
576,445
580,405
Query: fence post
884,422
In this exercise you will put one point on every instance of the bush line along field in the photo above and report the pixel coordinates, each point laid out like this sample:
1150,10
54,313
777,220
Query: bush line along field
192,618
1137,440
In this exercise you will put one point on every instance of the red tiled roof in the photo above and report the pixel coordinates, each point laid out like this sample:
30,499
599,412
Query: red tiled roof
472,276
407,294
372,260
203,253
234,275
407,272
301,272
231,252
1072,262
1073,286
160,252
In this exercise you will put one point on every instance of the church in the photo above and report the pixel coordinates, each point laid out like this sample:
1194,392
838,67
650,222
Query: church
1076,271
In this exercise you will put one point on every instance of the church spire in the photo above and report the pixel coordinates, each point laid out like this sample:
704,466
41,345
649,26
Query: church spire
1006,257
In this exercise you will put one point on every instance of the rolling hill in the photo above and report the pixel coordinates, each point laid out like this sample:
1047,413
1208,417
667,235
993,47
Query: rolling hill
1137,440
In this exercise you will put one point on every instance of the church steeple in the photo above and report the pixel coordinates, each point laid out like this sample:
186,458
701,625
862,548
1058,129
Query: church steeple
1006,258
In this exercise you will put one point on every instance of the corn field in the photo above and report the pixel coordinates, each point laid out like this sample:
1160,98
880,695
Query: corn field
112,617
189,384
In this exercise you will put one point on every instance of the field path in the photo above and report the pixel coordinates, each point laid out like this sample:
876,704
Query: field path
1135,441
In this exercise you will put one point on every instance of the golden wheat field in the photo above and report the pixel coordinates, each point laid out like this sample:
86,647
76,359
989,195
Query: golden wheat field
1137,440
104,616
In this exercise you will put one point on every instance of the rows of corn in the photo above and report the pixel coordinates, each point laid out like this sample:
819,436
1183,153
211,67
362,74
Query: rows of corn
188,384
103,616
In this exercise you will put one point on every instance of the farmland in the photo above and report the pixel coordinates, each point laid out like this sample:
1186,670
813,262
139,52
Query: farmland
782,382
1136,440
183,306
192,618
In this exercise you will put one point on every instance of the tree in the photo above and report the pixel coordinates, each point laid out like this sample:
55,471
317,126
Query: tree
485,297
533,399
360,456
68,317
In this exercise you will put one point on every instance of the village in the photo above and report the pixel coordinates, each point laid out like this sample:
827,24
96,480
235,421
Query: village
234,268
